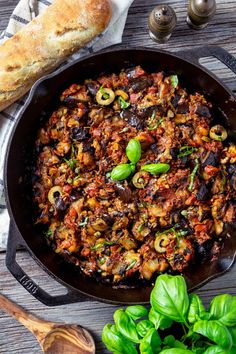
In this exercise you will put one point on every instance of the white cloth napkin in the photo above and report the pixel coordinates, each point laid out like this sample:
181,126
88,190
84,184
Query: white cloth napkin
24,12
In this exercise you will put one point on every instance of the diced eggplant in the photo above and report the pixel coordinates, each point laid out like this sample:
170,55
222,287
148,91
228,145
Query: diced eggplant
203,192
174,152
231,169
88,148
203,111
124,192
183,108
203,251
133,119
131,72
140,83
108,218
175,100
79,133
211,158
93,88
148,111
233,181
60,205
154,147
70,102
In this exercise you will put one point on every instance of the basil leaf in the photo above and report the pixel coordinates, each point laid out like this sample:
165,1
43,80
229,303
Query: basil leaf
170,298
176,351
223,308
156,168
174,80
169,340
159,320
115,342
133,150
151,343
136,311
232,331
196,308
199,350
215,349
215,331
126,325
143,327
121,172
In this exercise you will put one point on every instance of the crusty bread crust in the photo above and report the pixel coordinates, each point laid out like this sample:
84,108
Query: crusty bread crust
64,27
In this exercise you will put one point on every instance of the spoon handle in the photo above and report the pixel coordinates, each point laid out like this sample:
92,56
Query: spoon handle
33,323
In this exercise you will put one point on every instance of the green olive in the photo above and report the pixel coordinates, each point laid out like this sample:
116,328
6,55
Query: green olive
161,242
53,193
218,133
105,96
99,225
140,179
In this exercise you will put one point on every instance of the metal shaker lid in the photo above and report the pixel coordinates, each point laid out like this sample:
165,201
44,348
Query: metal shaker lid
203,8
162,19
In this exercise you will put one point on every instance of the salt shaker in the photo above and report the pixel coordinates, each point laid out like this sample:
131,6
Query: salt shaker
161,22
200,12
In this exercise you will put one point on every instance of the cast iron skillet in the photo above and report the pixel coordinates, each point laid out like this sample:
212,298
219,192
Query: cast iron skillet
42,99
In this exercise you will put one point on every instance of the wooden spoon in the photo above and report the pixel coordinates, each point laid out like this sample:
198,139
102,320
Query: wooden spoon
54,338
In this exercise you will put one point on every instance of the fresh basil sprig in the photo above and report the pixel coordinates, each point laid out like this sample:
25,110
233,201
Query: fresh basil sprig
133,152
204,331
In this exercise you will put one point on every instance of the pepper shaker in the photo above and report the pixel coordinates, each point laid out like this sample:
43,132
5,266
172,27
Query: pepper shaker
200,12
161,22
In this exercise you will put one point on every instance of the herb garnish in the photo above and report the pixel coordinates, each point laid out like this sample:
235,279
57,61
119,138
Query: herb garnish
71,163
131,265
174,80
102,244
186,150
123,104
48,233
84,222
156,125
193,173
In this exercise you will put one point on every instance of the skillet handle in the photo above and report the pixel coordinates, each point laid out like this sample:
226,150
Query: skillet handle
206,51
14,241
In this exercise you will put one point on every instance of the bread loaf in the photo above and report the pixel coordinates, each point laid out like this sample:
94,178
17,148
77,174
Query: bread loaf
64,27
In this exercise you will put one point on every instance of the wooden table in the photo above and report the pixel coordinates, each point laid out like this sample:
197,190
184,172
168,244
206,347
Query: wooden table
93,315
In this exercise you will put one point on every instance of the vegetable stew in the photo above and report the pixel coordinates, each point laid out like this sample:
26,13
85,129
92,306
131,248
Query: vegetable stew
133,177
